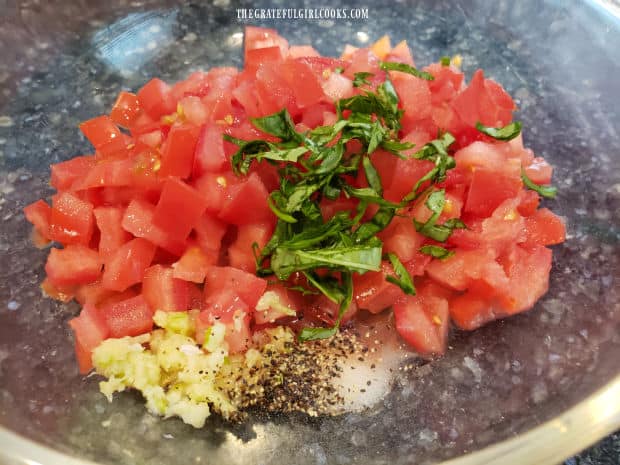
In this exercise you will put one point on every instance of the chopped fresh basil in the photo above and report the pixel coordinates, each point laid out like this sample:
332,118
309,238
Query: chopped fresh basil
403,279
405,68
546,191
508,132
445,61
361,78
436,251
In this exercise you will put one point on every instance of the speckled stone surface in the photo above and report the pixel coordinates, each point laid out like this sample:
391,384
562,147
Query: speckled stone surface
63,62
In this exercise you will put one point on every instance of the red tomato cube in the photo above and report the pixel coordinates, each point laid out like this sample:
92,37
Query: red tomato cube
209,156
126,109
193,264
71,219
163,291
65,173
112,235
155,98
177,158
75,264
372,292
90,330
241,252
179,208
39,214
126,266
129,317
246,202
247,286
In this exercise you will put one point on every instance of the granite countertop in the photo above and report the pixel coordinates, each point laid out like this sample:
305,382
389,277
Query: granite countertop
606,452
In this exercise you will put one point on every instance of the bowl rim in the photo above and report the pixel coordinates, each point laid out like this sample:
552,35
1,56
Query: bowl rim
550,443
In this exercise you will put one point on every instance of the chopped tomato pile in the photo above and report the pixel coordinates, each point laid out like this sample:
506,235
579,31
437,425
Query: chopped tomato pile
156,218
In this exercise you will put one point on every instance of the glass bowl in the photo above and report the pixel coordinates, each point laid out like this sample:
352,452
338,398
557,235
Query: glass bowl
532,389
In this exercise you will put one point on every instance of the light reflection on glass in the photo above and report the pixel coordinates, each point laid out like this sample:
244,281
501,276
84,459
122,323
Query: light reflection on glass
134,40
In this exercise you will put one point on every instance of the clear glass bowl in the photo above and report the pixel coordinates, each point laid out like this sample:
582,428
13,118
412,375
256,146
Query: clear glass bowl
533,389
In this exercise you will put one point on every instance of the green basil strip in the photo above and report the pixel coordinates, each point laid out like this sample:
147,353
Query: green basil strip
404,279
405,68
508,132
546,191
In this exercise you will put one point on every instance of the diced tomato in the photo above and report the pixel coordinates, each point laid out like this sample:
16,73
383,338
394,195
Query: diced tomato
65,173
528,279
488,189
177,158
267,56
466,266
93,293
372,292
109,221
196,85
163,291
529,201
90,330
103,134
539,171
415,96
401,238
259,37
400,54
241,251
209,156
179,208
62,293
126,109
324,311
247,286
304,82
129,317
472,309
544,228
71,219
138,220
423,322
126,266
193,264
193,110
246,202
109,173
209,233
298,51
39,214
75,264
155,98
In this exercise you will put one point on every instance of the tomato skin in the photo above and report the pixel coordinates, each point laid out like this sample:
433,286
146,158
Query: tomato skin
163,291
71,219
126,266
179,208
38,214
75,264
90,330
130,317
109,221
177,157
126,109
